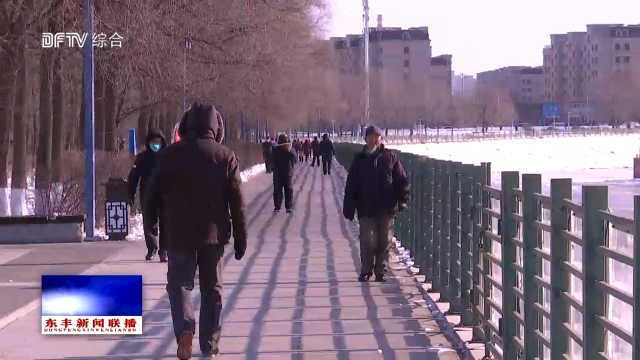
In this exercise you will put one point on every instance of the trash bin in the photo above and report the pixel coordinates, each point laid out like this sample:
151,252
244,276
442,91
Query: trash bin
116,210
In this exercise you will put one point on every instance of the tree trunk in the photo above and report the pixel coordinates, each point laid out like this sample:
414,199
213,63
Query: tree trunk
7,82
19,168
43,159
110,113
58,117
163,124
153,116
143,126
99,106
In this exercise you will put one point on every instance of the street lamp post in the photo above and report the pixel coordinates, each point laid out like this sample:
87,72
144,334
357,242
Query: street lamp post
365,5
89,128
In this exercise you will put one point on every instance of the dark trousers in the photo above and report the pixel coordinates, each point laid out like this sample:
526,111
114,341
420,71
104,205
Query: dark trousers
280,186
306,157
153,230
180,283
375,241
326,164
315,160
267,164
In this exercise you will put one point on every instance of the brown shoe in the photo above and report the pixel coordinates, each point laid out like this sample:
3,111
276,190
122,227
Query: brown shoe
184,345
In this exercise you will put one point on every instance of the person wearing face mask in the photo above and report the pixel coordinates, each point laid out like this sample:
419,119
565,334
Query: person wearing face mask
140,173
377,189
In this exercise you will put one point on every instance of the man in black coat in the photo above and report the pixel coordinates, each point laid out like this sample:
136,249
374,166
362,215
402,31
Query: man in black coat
315,148
197,184
140,173
284,159
378,189
327,152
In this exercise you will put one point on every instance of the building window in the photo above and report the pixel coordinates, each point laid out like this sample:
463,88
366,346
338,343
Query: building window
627,59
617,60
627,47
406,36
380,50
617,47
405,76
380,64
406,49
406,63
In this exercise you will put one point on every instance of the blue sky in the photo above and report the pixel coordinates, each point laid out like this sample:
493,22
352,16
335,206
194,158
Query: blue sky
489,34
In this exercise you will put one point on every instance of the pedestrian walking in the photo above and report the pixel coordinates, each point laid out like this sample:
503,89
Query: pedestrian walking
377,189
327,152
198,187
306,149
267,148
143,166
299,150
315,148
284,159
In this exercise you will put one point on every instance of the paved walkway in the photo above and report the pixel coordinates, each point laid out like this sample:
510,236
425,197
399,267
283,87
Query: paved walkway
295,295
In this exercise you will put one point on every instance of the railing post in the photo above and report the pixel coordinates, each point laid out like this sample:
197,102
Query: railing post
479,178
419,213
428,194
437,224
561,189
408,233
445,245
636,279
508,205
594,269
531,184
486,263
454,238
466,246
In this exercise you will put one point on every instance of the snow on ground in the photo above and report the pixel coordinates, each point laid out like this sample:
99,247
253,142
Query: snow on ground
538,155
597,159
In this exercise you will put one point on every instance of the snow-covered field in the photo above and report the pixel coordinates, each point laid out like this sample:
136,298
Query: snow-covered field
538,155
594,159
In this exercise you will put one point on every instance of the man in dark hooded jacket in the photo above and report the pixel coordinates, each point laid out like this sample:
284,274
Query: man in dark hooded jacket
197,184
315,147
306,149
327,152
284,159
140,173
377,188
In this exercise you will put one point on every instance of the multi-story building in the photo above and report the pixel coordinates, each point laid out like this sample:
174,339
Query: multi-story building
463,84
523,84
395,53
581,68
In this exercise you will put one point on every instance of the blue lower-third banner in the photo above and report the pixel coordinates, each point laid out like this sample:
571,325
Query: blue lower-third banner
91,304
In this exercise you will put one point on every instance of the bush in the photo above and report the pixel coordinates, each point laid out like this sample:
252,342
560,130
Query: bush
249,153
67,197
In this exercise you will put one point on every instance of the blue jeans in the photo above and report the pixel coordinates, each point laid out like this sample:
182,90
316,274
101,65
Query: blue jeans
180,283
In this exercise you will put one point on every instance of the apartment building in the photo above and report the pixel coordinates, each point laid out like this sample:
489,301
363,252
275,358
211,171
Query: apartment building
394,52
524,84
463,84
581,67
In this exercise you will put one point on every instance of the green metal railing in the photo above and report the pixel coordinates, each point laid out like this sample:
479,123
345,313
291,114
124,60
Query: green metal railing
534,276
